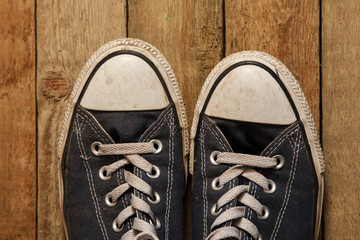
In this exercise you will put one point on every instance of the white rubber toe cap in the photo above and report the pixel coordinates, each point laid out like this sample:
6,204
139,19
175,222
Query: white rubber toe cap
125,83
249,93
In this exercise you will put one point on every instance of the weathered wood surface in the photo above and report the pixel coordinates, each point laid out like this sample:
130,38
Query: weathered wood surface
341,113
288,30
68,33
193,36
17,120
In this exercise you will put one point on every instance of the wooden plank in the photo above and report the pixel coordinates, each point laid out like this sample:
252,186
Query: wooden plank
18,120
189,33
288,30
341,111
68,32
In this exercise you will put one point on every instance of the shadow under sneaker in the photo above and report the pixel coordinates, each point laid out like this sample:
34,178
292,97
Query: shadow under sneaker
122,147
255,154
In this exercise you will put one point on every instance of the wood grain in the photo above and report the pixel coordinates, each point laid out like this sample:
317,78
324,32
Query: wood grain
18,120
188,33
68,32
288,30
191,36
341,111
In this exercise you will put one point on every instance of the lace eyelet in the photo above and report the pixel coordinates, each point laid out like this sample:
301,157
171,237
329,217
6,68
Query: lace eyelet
264,214
108,200
272,187
214,212
157,224
157,145
213,157
102,174
215,184
156,200
95,148
115,226
280,161
155,173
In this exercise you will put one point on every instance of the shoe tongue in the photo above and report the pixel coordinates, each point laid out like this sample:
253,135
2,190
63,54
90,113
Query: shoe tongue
125,126
246,137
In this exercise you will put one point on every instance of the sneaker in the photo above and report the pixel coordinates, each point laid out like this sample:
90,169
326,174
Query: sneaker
257,162
122,147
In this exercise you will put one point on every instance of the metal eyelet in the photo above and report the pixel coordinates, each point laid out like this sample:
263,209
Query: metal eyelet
102,174
95,148
156,200
272,187
216,184
157,224
115,226
108,200
155,172
259,237
264,214
213,156
280,161
157,145
214,212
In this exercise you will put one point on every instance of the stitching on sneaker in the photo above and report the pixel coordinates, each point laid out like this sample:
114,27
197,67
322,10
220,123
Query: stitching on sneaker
291,130
204,177
206,126
170,121
98,133
232,183
288,187
148,137
90,181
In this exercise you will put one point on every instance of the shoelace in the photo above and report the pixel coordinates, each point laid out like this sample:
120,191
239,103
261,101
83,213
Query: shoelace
242,164
141,229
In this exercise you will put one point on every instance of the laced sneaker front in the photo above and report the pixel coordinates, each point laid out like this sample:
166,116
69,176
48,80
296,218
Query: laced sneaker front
122,147
242,165
141,229
255,156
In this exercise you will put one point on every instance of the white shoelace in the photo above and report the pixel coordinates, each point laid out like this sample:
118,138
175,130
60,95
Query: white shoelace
141,229
236,214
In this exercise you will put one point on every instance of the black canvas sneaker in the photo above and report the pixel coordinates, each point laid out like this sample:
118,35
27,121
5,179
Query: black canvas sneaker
255,154
122,147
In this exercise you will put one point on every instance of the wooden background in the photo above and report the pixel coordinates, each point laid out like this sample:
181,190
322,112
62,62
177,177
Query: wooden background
44,44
